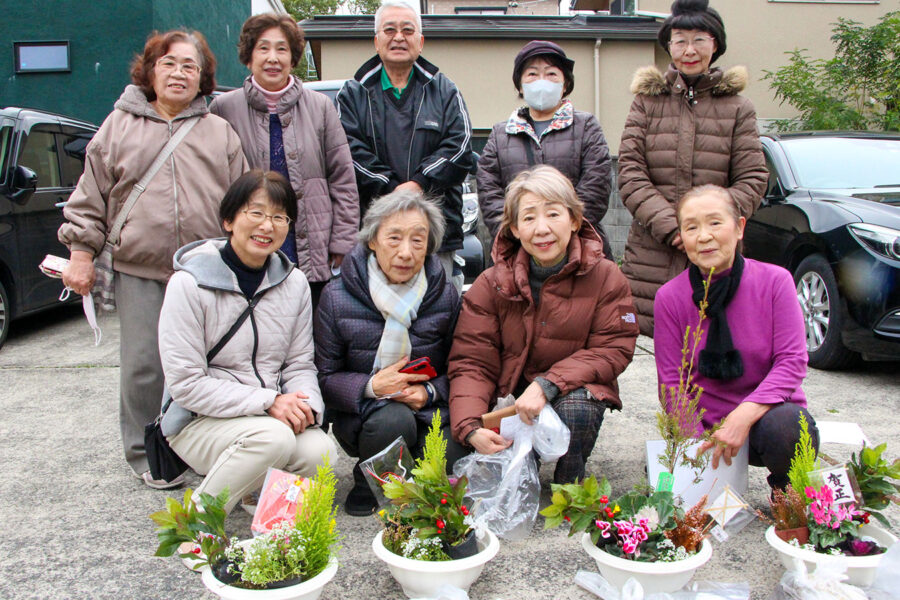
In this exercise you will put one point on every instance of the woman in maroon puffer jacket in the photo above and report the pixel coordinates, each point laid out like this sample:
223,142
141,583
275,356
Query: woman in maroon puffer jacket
551,321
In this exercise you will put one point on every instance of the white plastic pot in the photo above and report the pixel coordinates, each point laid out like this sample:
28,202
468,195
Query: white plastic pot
654,577
310,589
860,569
422,578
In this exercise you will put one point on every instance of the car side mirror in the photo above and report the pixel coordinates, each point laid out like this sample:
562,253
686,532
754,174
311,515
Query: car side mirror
775,193
24,183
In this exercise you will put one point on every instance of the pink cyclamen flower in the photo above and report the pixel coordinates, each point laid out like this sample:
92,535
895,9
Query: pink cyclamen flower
604,527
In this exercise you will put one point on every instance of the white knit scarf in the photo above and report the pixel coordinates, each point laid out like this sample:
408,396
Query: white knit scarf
399,304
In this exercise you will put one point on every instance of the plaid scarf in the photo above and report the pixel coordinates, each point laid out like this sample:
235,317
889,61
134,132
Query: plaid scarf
398,304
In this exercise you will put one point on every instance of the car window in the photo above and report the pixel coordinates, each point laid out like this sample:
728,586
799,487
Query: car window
73,143
844,163
39,154
772,185
5,141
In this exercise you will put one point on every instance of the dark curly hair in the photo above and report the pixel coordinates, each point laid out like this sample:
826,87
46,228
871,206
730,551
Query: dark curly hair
694,14
156,47
257,24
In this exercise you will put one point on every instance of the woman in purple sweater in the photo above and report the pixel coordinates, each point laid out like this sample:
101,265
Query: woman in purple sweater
752,357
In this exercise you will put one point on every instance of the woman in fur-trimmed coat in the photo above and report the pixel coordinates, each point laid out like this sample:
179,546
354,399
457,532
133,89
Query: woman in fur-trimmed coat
688,126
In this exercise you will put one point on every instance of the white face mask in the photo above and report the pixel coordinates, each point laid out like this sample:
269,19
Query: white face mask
542,94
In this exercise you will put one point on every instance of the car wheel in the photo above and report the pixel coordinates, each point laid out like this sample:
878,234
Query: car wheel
4,315
823,319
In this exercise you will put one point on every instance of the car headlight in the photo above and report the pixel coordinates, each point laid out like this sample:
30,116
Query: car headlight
470,213
880,240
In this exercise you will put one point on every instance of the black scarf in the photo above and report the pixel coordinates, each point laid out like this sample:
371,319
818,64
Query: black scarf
719,360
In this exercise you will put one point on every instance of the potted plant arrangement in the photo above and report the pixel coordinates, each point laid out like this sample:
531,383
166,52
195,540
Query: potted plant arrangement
834,529
292,561
643,536
428,539
679,421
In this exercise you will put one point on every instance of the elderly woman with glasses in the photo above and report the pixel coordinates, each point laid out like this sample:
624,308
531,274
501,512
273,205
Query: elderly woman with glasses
295,131
256,403
178,206
391,304
686,128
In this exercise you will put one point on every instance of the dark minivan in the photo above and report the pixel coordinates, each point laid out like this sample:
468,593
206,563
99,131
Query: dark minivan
41,159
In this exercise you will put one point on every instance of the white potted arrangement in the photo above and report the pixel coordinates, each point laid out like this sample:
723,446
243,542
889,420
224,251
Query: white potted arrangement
642,536
835,531
293,561
427,540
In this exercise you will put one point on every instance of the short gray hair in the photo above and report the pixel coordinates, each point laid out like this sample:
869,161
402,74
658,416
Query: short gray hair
400,201
397,4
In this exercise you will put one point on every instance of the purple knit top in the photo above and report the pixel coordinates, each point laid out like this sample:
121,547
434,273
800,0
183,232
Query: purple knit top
766,327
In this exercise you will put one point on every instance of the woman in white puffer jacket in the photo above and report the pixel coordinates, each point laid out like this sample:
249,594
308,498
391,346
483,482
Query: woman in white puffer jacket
258,404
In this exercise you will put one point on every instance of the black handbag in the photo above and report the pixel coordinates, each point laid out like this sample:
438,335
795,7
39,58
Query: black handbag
164,462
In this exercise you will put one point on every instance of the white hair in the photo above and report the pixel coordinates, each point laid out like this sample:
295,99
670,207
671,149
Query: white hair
397,4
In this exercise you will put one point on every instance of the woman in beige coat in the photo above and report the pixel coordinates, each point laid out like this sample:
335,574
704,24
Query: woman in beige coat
294,131
178,206
686,127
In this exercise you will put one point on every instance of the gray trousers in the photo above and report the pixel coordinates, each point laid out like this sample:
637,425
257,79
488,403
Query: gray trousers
448,259
138,302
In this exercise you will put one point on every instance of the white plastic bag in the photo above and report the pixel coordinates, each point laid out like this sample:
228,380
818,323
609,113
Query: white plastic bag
632,590
887,578
824,583
448,592
504,487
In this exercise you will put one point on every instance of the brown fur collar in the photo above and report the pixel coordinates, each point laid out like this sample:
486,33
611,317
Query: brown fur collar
649,81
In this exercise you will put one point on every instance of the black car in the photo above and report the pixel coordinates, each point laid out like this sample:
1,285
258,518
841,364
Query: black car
41,159
831,216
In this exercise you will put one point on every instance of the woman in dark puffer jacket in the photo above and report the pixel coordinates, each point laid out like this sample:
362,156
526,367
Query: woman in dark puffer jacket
364,336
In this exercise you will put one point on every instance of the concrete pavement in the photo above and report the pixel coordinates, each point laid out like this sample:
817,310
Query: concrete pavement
75,520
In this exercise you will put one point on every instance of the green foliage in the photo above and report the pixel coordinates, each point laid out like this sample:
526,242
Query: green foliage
428,503
788,509
306,9
873,473
587,506
180,523
316,521
857,89
680,418
804,460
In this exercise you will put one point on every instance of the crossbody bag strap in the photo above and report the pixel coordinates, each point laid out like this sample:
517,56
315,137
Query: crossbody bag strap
140,186
228,335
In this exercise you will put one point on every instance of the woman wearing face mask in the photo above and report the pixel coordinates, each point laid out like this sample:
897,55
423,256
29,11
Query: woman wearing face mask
296,132
547,130
686,127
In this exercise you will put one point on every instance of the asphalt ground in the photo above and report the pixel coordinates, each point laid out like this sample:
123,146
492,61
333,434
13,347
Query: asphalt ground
75,521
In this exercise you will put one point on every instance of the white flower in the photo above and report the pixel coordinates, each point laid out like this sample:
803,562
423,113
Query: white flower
649,513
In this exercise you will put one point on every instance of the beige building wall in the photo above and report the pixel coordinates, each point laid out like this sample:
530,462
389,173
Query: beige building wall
761,31
447,7
482,69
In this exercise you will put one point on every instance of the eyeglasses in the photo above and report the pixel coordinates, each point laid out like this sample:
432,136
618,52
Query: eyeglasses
406,31
257,217
167,65
699,42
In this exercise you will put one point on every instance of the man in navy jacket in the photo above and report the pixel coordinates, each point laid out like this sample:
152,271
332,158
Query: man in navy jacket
407,125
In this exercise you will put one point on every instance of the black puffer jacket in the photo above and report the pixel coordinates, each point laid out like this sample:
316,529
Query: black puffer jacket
348,330
574,144
440,149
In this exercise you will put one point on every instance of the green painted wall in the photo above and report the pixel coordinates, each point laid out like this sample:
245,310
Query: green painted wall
104,36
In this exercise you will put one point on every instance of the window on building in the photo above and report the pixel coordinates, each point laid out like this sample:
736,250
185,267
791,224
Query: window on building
41,57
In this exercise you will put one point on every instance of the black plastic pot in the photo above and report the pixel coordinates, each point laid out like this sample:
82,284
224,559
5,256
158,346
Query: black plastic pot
220,572
464,549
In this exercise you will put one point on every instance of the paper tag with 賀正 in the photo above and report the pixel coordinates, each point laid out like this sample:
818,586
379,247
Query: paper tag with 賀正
841,481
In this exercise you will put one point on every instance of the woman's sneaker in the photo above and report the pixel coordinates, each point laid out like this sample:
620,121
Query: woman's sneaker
160,484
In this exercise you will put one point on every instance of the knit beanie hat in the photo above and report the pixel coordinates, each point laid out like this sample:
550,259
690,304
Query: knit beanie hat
694,14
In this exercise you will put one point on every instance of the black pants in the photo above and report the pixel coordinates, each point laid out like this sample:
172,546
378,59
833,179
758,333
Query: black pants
384,426
773,437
